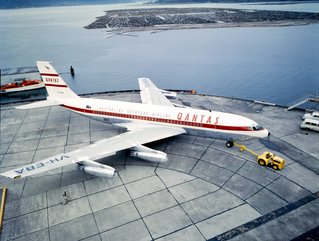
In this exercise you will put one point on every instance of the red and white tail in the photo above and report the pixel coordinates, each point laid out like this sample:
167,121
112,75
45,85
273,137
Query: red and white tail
55,85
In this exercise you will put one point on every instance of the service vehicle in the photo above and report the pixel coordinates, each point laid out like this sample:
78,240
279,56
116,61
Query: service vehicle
270,160
266,158
313,115
310,124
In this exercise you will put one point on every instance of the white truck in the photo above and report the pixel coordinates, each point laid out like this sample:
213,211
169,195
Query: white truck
314,115
310,124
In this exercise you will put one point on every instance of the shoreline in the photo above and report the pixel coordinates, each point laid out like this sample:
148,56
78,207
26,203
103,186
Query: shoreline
161,19
159,28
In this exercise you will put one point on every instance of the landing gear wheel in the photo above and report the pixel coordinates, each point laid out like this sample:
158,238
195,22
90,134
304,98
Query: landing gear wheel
229,144
261,162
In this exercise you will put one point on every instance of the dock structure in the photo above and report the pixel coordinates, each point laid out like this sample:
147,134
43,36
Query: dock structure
308,98
205,191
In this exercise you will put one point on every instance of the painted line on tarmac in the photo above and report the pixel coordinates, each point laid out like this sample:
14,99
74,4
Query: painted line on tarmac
263,219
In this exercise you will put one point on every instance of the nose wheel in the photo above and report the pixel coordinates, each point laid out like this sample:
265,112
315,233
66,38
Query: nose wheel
230,144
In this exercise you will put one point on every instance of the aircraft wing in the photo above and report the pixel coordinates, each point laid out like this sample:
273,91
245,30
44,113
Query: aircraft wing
139,136
97,150
152,95
41,166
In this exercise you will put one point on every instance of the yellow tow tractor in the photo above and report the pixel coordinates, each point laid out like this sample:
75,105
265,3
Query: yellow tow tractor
266,159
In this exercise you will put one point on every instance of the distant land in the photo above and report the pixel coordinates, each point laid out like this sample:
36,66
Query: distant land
11,4
131,20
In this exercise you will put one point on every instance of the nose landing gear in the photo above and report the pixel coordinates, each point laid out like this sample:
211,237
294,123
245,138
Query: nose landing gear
230,144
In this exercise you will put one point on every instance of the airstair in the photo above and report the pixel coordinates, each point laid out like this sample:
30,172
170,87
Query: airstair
303,100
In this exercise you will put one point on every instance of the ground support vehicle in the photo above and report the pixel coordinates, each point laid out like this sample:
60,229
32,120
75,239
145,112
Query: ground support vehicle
266,158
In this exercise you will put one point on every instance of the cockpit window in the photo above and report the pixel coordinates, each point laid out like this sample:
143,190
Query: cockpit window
257,127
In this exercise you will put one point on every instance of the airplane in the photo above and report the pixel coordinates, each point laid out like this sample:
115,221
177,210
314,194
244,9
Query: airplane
154,119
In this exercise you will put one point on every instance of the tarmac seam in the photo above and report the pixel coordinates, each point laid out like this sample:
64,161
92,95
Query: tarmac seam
34,151
65,146
278,195
274,192
291,145
187,181
263,219
35,211
47,202
87,196
198,160
177,230
158,164
254,192
180,205
149,232
128,200
20,124
299,150
265,187
229,153
91,236
234,173
140,179
254,180
73,199
262,187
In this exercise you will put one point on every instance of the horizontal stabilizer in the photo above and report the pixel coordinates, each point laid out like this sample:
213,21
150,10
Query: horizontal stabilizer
39,104
169,94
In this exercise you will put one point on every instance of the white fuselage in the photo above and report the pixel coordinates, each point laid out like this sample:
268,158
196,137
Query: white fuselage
196,122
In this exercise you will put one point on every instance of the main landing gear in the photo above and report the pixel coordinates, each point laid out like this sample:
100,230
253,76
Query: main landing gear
230,144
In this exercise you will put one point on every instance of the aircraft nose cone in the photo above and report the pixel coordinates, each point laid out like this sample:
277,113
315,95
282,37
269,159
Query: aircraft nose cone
264,133
267,133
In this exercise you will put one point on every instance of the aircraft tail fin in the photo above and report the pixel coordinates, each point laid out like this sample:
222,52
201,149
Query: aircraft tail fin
54,84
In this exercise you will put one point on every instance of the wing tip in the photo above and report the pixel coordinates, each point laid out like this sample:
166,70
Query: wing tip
9,175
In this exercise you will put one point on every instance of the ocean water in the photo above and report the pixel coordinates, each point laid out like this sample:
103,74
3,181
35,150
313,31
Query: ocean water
274,64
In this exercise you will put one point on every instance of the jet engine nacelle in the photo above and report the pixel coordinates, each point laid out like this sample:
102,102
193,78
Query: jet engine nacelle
96,169
148,156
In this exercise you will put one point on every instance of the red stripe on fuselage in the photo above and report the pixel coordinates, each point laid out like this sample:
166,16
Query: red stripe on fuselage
160,120
47,74
54,85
